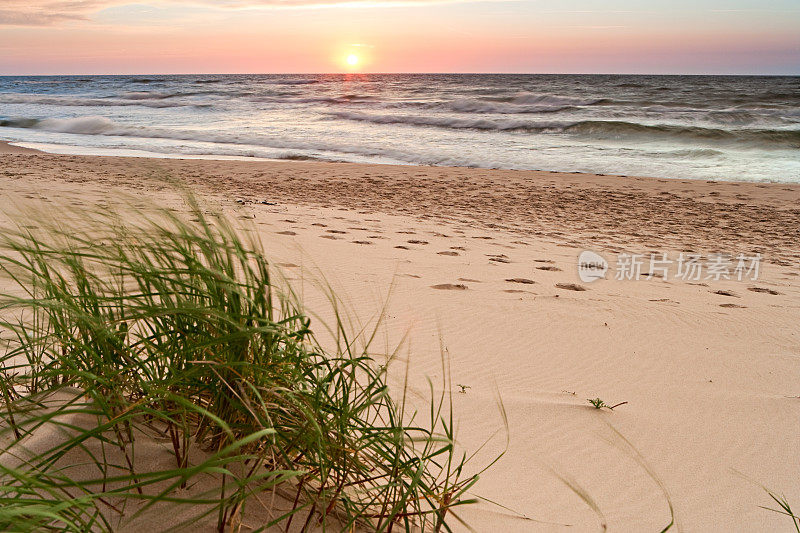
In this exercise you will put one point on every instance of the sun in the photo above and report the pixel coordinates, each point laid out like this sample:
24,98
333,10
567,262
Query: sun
352,60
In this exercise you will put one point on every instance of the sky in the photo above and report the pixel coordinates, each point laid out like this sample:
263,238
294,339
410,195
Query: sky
308,36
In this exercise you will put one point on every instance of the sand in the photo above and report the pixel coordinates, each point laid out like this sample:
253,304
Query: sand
483,264
6,148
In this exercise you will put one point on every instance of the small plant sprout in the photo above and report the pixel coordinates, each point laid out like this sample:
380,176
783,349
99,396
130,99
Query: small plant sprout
597,402
463,388
600,404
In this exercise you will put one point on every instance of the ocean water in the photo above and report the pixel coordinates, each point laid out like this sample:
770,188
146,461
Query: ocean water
704,127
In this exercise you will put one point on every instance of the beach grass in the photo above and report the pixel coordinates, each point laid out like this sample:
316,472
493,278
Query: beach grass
153,366
784,508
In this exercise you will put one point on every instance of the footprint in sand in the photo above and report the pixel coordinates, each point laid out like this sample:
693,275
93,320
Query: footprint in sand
335,231
288,265
470,280
450,287
498,258
401,247
450,253
414,241
362,242
331,237
461,248
571,286
286,233
410,276
733,306
763,290
725,293
319,224
550,268
525,281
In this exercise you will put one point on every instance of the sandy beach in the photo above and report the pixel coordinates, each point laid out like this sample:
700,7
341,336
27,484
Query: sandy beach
482,265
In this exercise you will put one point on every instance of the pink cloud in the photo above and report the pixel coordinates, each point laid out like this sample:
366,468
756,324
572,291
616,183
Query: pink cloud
51,12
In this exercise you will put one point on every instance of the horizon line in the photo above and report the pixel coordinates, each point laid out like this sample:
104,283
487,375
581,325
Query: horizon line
435,73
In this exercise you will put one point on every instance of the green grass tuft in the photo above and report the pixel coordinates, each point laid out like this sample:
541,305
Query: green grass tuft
170,335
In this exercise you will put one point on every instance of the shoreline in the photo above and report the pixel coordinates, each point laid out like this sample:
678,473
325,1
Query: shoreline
577,208
12,147
7,148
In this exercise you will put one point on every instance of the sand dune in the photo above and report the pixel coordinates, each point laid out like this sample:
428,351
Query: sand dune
484,264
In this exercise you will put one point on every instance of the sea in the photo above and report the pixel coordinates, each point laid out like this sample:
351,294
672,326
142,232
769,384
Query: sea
744,128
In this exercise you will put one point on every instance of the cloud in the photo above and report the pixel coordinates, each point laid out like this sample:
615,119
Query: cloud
46,12
23,17
52,12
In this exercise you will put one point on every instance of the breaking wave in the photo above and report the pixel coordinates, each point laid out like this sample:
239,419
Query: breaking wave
607,129
106,127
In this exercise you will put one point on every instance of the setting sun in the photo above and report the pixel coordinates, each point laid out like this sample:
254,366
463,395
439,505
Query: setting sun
352,60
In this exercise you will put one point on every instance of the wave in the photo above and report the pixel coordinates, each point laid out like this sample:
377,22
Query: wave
146,95
604,129
335,100
765,138
555,100
290,82
447,122
90,125
468,105
629,85
96,125
81,125
735,117
132,99
699,153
